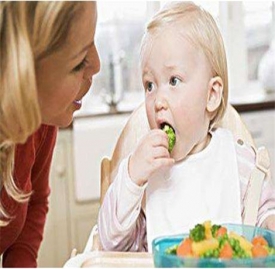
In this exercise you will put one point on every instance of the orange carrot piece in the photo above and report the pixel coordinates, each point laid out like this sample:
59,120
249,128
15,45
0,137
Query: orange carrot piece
259,240
222,231
226,251
185,248
259,251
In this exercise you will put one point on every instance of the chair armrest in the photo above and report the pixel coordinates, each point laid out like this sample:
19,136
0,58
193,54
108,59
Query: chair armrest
93,243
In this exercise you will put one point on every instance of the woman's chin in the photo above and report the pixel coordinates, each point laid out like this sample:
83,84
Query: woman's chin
61,122
65,124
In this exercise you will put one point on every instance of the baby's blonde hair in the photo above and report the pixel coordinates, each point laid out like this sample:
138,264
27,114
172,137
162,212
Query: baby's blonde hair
29,31
202,30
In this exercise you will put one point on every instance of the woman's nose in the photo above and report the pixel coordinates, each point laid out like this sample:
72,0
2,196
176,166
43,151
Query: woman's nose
93,64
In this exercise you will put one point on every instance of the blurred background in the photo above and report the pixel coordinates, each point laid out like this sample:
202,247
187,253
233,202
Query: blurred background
248,29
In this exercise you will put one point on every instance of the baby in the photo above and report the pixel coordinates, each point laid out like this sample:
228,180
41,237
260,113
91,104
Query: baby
206,174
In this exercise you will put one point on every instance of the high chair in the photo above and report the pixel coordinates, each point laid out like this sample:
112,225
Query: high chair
137,126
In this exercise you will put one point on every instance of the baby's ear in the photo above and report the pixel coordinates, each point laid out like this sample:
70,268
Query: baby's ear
215,90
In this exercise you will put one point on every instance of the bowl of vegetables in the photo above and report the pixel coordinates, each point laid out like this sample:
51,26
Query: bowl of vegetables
207,245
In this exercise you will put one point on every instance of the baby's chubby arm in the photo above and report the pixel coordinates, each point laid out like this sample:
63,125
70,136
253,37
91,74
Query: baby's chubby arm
267,204
121,222
266,214
150,156
246,158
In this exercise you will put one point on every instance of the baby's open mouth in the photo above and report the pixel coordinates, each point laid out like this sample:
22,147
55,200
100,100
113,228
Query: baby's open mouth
169,130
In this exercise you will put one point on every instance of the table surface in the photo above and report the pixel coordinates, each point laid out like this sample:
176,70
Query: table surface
111,259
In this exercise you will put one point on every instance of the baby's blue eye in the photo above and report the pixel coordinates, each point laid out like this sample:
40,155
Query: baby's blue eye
149,86
174,81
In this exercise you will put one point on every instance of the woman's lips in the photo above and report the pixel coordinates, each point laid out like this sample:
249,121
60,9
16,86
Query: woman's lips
78,102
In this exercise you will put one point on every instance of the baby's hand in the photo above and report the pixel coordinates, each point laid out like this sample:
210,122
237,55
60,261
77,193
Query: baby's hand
269,223
150,155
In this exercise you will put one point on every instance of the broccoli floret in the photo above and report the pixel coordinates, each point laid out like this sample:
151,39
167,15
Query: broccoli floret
271,251
172,250
238,251
214,229
222,240
198,233
171,136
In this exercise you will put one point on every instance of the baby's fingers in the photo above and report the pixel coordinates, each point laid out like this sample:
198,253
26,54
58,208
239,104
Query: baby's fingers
163,162
160,152
159,138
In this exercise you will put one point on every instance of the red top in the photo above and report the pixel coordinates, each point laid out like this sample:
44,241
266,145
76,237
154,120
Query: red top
21,238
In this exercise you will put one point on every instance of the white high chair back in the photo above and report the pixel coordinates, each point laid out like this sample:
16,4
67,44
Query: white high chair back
137,126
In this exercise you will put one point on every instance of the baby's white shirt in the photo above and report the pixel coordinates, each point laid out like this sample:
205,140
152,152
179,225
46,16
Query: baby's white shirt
204,186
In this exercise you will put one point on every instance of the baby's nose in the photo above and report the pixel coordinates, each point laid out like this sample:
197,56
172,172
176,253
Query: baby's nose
160,104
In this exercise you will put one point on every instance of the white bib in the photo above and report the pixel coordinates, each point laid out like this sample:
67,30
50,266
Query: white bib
205,186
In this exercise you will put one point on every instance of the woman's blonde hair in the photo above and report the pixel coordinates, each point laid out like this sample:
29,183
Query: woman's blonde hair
202,30
29,31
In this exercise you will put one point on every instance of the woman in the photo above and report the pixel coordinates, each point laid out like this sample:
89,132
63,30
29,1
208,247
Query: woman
48,58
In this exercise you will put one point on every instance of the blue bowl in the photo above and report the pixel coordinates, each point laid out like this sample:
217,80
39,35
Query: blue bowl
161,259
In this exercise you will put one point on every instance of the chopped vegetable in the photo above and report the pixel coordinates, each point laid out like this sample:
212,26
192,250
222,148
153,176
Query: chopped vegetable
172,250
185,248
259,240
214,229
226,251
208,232
214,241
259,251
221,232
222,240
171,136
271,251
198,233
238,251
201,247
245,244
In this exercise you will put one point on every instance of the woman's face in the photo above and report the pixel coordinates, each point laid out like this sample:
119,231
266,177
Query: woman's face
64,77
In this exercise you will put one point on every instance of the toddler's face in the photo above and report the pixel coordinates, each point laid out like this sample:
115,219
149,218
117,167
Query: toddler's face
176,78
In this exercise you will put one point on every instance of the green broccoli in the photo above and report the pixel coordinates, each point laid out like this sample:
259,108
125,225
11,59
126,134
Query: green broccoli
172,250
198,233
214,229
171,136
271,250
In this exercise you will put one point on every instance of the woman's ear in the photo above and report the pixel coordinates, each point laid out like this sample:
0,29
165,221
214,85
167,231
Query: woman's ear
215,90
